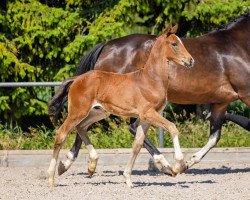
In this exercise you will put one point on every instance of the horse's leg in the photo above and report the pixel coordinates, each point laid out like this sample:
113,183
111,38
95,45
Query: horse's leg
73,153
137,144
61,134
93,156
161,163
155,118
95,115
242,121
216,121
71,156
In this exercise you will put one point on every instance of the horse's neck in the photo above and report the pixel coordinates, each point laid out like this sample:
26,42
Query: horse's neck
240,30
156,65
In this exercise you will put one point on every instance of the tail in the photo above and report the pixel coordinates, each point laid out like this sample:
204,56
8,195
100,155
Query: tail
56,103
88,61
86,64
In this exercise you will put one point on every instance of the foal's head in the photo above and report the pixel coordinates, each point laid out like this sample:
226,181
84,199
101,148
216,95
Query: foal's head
175,49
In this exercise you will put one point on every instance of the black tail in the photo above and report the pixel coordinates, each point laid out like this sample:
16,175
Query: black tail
56,103
88,61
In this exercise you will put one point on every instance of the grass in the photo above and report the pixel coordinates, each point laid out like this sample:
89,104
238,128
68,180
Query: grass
115,134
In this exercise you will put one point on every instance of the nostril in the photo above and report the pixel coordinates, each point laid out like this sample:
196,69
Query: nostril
191,61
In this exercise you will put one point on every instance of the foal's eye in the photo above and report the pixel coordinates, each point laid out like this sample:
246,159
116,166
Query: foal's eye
174,44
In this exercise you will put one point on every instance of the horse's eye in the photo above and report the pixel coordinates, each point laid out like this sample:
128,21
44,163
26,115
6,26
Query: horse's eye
174,44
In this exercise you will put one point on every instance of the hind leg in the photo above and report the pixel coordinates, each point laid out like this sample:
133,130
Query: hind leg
77,112
94,116
71,156
242,121
61,135
138,142
216,121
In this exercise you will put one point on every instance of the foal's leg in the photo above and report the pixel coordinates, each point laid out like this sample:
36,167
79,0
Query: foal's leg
73,153
94,116
71,156
139,138
93,156
155,118
61,134
161,163
216,121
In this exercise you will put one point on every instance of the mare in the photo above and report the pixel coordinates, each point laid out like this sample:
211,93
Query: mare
137,94
220,75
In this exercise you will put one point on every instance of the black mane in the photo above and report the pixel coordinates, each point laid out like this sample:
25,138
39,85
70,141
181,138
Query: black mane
234,21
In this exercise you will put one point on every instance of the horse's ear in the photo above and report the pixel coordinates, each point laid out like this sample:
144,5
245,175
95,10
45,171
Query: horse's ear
167,31
174,29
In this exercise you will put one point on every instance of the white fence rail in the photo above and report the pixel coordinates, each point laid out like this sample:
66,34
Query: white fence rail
29,84
53,84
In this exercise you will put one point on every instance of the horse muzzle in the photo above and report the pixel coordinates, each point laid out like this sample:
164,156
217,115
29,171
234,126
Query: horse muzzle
189,63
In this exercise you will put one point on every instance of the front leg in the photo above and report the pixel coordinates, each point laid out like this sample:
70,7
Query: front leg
160,161
155,118
216,121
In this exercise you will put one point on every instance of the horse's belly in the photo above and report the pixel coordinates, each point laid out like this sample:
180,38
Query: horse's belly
220,94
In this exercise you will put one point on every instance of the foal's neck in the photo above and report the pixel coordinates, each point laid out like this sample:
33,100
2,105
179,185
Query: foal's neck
156,65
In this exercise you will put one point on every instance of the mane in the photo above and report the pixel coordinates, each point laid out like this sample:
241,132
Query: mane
234,22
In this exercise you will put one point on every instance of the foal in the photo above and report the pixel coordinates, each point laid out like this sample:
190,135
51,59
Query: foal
138,94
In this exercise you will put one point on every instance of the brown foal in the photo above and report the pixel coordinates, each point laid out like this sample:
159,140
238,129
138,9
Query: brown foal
138,94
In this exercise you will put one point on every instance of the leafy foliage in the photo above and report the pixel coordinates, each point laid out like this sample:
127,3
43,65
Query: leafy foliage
194,134
44,40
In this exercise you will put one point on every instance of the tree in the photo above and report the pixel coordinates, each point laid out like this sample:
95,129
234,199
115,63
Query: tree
44,40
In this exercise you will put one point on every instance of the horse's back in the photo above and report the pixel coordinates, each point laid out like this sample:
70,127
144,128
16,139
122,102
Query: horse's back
125,54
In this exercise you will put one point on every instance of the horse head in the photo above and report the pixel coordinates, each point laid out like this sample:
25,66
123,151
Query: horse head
176,51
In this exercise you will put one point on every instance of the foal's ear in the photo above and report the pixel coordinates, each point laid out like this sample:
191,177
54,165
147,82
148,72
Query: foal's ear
167,31
170,30
174,29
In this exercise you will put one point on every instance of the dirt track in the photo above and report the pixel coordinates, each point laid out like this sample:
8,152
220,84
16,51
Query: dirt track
223,181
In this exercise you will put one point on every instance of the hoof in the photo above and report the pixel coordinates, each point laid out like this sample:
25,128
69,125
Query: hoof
168,171
51,183
61,168
179,168
129,184
90,173
194,160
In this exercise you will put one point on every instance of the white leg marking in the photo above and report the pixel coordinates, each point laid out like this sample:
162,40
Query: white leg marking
196,158
177,148
93,158
70,159
51,172
179,166
138,142
161,162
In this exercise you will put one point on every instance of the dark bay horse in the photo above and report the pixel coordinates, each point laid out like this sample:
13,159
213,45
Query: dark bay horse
144,97
220,75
